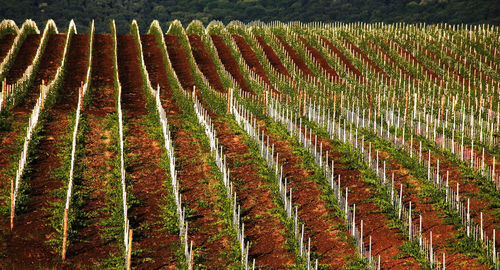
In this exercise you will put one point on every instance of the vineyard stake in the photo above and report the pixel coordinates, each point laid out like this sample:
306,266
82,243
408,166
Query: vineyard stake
4,91
11,204
65,234
129,254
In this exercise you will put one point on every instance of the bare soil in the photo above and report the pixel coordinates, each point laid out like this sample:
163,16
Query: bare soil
328,239
364,57
33,228
198,184
394,63
178,58
468,189
320,60
5,44
90,245
272,56
443,232
297,59
408,55
10,139
252,61
229,62
24,57
343,59
205,63
266,233
147,178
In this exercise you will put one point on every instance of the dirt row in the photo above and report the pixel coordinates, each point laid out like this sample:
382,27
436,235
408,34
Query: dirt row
297,59
442,64
5,43
320,60
433,219
229,62
266,233
473,69
205,63
394,64
178,58
365,59
91,245
147,178
386,240
344,61
328,238
411,58
198,184
468,188
24,57
18,119
382,235
32,227
272,56
316,214
252,61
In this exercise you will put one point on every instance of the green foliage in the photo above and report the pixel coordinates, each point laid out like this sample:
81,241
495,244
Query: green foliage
433,11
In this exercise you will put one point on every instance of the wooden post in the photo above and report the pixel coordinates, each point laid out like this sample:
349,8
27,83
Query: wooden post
229,99
264,103
371,106
300,103
80,96
11,203
305,100
4,92
42,89
192,258
129,254
194,94
442,107
65,234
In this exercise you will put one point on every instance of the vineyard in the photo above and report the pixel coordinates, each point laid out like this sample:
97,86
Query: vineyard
250,146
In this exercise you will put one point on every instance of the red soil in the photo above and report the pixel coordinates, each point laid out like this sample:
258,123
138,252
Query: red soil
299,62
385,240
5,44
344,61
272,56
411,58
76,68
178,58
472,69
229,62
24,57
266,233
147,178
157,75
468,188
153,58
22,112
205,63
364,57
332,74
460,79
252,61
443,232
326,239
90,245
103,101
198,185
33,227
394,63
